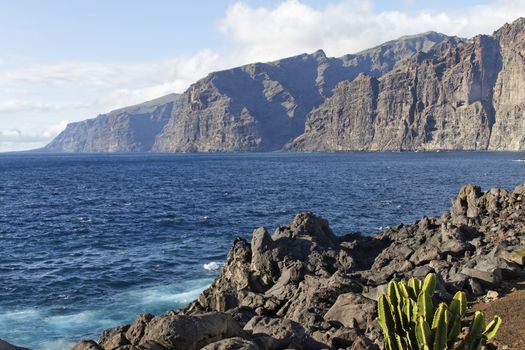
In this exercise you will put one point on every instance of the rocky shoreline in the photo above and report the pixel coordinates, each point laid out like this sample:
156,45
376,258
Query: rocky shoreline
305,288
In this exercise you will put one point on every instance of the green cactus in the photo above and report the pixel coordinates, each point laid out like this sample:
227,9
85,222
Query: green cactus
429,285
410,321
458,308
439,327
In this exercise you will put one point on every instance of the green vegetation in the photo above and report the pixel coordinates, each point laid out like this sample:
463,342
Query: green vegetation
520,252
411,322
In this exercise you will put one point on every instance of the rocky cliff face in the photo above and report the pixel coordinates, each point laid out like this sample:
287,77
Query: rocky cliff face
262,106
257,107
508,132
457,96
466,96
423,92
130,129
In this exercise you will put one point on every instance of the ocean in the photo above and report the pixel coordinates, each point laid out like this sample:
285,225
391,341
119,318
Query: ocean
89,241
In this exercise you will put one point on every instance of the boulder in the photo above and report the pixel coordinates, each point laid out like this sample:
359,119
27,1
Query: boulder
352,310
466,203
276,333
345,337
148,345
315,296
86,345
190,332
235,343
7,346
363,343
491,270
222,295
373,293
136,330
490,278
114,338
475,287
263,266
425,254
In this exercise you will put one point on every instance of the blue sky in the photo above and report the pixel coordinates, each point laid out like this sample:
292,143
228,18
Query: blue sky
63,61
136,30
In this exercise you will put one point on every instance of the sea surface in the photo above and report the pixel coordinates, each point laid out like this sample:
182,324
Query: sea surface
90,241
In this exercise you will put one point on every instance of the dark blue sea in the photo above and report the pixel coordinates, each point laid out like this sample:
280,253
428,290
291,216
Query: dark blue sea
90,241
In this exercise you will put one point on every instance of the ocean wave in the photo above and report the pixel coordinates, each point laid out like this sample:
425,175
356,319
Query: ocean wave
212,266
170,293
18,315
56,344
56,327
75,320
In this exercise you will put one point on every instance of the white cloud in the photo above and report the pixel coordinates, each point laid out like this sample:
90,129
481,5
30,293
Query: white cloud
34,94
292,27
14,106
14,135
16,139
54,129
166,77
108,74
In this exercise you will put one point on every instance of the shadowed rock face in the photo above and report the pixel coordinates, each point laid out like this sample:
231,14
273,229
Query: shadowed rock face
262,106
130,129
305,288
424,92
257,107
508,132
451,98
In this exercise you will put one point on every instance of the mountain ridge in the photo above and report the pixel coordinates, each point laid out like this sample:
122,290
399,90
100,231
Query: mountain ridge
423,92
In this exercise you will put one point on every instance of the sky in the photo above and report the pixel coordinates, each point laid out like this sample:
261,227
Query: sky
63,61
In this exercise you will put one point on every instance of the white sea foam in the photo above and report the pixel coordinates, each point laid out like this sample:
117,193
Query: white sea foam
72,321
212,266
56,344
171,294
19,315
52,328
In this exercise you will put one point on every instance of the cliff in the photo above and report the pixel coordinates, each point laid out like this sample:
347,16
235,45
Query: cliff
130,129
306,288
422,92
257,107
459,96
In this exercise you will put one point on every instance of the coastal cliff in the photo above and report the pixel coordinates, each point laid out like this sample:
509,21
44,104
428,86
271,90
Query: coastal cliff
262,106
459,96
257,107
423,92
130,129
306,288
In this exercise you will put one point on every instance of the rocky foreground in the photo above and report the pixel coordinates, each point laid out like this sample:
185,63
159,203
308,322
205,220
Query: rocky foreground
305,288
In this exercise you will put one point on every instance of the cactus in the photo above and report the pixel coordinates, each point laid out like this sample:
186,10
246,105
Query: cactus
410,321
